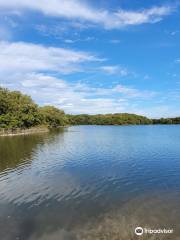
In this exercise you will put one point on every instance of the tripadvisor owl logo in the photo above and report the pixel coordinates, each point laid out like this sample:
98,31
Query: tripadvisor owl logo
139,231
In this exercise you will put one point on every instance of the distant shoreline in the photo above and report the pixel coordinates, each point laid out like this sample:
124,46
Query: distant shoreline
20,115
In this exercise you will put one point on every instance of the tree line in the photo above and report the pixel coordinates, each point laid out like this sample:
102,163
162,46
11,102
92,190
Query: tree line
108,119
18,111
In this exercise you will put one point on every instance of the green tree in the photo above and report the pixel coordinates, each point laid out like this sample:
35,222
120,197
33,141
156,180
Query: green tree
17,110
52,116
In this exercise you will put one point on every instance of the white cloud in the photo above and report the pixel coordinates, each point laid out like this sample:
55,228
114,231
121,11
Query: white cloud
42,81
31,57
79,10
30,68
81,98
133,92
75,97
151,15
115,70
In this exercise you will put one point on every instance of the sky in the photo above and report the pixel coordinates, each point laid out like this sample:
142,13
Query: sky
91,57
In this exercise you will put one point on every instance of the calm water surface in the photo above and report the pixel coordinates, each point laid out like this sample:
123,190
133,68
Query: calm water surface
90,182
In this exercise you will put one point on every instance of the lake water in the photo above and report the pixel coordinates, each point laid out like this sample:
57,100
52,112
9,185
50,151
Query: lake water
90,182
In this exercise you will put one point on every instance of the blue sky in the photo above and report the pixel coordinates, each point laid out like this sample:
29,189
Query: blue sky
93,56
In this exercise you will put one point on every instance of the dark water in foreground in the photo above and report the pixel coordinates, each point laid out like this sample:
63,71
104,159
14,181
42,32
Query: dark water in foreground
90,182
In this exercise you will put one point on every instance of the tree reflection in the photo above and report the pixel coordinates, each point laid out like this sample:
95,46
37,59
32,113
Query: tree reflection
14,150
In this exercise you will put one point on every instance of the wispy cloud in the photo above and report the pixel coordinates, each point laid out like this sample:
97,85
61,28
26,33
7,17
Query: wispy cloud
27,57
58,30
151,15
133,92
177,60
75,97
115,41
79,10
33,69
87,39
116,69
158,111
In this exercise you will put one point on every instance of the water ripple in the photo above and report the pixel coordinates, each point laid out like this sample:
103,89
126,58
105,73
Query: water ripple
85,170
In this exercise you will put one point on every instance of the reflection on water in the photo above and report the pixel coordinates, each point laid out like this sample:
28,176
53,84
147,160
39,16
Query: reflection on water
15,150
89,183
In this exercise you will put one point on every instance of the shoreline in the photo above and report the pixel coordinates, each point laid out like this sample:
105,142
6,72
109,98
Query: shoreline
36,130
18,132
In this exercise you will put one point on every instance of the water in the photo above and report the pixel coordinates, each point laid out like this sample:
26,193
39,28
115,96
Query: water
90,182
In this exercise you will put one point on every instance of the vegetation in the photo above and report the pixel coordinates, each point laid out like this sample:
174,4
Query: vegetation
18,111
53,117
175,120
108,119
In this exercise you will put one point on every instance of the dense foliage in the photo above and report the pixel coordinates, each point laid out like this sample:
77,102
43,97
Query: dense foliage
175,120
52,116
118,119
108,119
19,111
